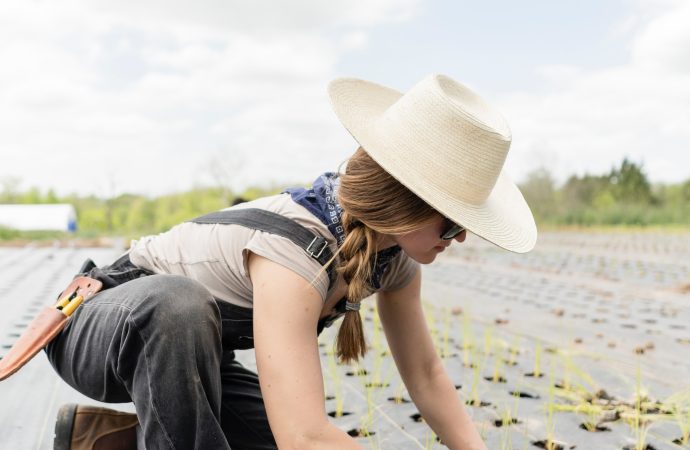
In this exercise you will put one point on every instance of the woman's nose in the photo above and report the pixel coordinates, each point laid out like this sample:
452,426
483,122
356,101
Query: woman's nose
461,237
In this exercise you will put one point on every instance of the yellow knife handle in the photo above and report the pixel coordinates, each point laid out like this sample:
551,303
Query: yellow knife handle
71,306
63,302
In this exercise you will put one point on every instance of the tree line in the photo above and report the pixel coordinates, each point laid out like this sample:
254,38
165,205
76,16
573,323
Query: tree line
131,215
623,196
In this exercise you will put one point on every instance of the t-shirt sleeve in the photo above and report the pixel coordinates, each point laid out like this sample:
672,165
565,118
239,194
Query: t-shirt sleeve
399,273
288,254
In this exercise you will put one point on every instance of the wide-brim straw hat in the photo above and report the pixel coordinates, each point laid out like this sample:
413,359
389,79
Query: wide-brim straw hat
447,145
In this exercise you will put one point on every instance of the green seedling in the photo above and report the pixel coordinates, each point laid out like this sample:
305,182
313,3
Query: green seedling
550,408
640,428
368,420
430,440
488,340
679,405
514,351
498,365
445,352
567,366
537,361
398,398
580,373
334,375
377,338
431,323
507,418
474,393
590,411
683,420
467,339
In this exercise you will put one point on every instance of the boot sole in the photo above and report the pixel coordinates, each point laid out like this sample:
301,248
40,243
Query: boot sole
63,427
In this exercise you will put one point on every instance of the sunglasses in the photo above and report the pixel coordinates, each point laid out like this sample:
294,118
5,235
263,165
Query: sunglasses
452,230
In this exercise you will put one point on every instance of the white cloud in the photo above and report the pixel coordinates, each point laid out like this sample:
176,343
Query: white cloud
140,96
665,43
354,40
591,118
257,16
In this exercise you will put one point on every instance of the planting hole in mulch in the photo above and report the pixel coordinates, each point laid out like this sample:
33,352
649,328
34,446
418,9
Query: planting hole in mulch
458,387
522,394
656,408
593,428
377,385
477,403
417,417
550,445
498,379
503,422
399,400
633,447
532,374
510,362
360,432
330,397
359,373
680,441
335,414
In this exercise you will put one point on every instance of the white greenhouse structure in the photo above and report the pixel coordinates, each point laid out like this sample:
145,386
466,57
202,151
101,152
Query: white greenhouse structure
43,217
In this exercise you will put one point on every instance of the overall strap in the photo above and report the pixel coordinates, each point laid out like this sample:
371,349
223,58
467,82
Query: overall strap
270,222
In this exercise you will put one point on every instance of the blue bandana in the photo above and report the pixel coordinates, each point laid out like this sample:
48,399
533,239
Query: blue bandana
321,201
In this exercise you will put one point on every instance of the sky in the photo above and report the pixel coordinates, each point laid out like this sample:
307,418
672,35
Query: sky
104,97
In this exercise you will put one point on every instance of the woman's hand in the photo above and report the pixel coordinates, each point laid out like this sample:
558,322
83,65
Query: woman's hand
286,312
422,370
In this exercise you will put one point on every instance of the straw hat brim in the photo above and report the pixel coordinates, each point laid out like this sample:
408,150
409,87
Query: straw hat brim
504,218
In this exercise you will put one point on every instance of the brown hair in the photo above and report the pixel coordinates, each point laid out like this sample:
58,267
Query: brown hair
373,203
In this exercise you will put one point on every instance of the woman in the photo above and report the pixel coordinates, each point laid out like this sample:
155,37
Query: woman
429,167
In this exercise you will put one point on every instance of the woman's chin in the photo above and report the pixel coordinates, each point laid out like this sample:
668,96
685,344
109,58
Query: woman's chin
426,258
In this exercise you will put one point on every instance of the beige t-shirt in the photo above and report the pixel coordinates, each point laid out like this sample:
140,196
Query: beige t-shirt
216,254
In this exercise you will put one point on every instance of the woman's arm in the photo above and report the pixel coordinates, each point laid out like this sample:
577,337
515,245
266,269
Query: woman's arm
421,368
286,312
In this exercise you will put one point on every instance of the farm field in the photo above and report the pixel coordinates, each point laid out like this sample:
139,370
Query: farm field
583,343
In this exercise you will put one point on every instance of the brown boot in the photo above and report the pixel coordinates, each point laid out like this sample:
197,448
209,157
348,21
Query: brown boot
80,427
